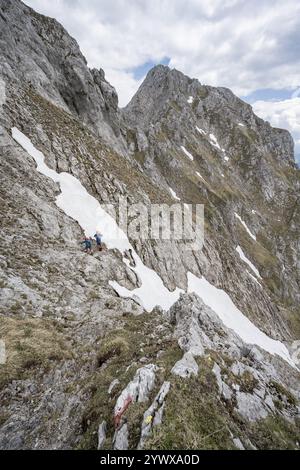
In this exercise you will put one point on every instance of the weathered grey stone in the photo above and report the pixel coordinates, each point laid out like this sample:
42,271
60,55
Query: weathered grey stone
157,420
121,438
59,73
295,352
154,414
249,444
256,355
186,366
238,368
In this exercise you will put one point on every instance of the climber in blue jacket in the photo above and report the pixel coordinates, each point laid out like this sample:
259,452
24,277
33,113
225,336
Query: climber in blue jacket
98,238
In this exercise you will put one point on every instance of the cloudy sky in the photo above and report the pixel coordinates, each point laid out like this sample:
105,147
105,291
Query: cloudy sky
252,47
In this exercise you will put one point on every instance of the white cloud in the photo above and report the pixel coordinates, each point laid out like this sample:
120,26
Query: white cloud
284,114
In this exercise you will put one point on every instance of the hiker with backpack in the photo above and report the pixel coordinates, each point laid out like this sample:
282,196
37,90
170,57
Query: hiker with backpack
87,242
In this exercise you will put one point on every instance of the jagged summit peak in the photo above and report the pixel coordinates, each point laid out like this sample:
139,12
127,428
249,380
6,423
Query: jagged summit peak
162,85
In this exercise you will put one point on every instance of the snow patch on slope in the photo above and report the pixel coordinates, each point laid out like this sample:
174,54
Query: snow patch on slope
77,203
201,131
232,317
2,92
190,100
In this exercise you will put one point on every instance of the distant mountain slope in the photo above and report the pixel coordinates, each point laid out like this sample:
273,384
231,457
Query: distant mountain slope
85,361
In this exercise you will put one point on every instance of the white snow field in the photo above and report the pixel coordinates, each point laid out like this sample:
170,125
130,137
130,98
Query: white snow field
187,153
244,258
78,204
190,100
245,226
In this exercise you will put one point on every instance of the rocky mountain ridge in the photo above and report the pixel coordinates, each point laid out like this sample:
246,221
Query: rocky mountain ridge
75,346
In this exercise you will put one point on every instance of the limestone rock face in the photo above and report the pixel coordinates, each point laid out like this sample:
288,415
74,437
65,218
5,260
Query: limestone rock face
153,416
186,367
121,438
253,397
74,349
39,52
139,388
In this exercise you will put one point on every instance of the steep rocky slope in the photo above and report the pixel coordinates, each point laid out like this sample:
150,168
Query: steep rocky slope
76,351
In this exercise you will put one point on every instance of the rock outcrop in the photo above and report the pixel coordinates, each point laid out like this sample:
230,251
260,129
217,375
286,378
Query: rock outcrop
75,350
55,67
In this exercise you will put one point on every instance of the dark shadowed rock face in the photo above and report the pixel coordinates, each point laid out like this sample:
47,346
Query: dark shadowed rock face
75,349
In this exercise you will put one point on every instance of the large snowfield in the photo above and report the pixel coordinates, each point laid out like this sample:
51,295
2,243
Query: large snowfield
81,206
